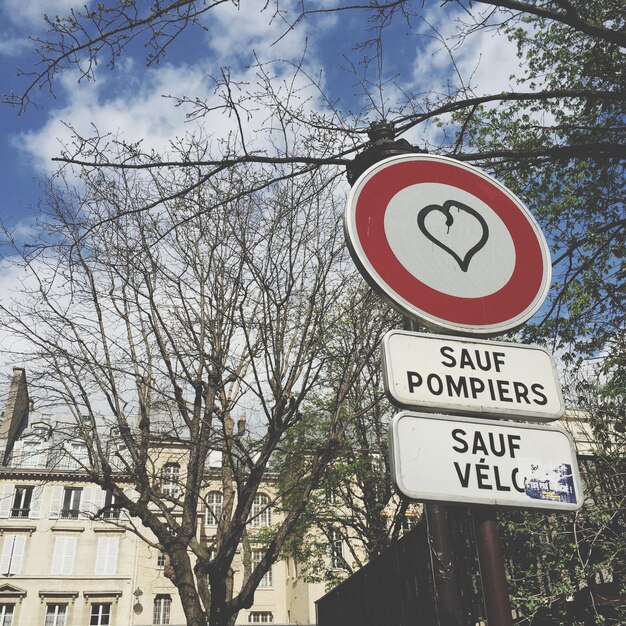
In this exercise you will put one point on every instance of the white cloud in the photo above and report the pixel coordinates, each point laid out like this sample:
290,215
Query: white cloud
13,46
131,106
129,102
483,60
237,31
489,60
33,11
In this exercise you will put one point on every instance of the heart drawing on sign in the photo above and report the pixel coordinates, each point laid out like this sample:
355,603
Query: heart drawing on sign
465,234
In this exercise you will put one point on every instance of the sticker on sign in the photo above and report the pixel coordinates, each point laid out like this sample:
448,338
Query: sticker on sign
444,375
470,461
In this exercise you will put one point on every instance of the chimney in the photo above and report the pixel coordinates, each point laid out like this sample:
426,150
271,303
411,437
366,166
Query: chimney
16,411
229,425
241,425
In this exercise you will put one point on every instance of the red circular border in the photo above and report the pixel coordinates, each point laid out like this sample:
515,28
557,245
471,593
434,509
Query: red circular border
512,300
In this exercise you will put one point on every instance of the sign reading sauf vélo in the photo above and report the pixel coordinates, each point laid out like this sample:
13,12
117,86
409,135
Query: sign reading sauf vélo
470,377
465,460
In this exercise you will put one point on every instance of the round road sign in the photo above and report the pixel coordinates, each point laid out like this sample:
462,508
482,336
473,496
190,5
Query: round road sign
447,245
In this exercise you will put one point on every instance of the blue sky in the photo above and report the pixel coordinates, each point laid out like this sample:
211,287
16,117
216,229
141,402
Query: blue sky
129,102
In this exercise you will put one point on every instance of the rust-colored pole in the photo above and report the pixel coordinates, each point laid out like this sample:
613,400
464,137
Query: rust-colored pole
447,592
492,570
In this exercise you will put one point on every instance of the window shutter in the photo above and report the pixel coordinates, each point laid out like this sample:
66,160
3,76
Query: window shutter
101,556
12,554
63,560
88,505
106,557
7,500
7,549
19,544
57,558
99,499
35,505
112,564
68,557
55,503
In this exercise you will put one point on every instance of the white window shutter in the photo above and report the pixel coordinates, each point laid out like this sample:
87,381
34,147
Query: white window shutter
106,556
18,554
99,499
35,505
63,559
112,555
57,558
101,556
55,503
7,550
6,500
68,559
87,504
12,554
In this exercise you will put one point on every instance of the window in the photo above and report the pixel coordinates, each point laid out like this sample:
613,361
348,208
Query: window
120,457
162,607
106,556
170,475
12,555
111,509
55,614
409,521
6,614
75,456
331,496
63,559
42,431
21,501
213,508
266,581
100,614
71,502
261,617
335,548
32,454
261,511
160,560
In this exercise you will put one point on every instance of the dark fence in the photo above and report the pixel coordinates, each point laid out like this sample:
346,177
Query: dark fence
397,588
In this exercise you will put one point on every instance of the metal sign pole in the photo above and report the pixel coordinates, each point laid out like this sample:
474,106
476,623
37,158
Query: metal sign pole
449,609
492,570
377,235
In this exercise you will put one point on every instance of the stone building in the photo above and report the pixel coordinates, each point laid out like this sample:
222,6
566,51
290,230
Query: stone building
60,566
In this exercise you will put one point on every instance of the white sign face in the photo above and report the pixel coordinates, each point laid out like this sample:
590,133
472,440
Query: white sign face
436,458
447,245
470,377
465,252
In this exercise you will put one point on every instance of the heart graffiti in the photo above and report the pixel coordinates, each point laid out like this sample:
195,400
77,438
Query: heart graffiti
461,254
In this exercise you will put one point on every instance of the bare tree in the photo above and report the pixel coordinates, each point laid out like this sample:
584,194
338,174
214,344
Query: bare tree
356,512
193,324
163,324
558,139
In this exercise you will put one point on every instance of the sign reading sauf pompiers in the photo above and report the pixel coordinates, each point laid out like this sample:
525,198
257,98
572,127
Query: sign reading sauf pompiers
455,250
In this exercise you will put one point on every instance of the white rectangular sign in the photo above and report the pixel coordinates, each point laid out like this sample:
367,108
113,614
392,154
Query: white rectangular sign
471,461
445,375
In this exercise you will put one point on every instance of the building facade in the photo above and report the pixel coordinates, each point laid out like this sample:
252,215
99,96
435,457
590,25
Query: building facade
61,565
